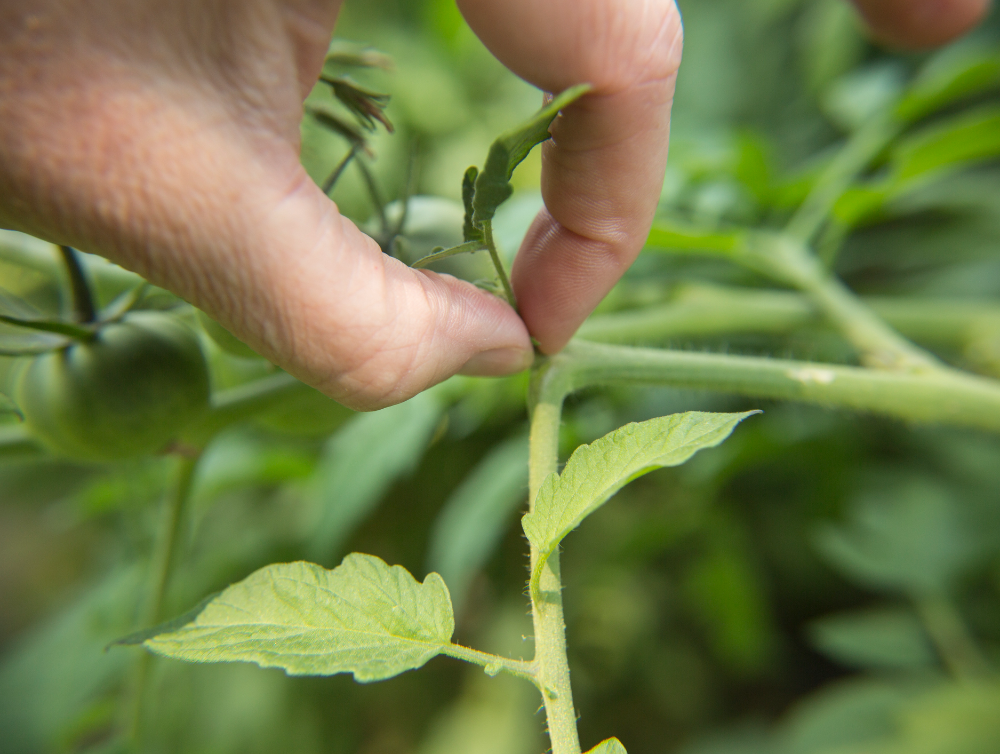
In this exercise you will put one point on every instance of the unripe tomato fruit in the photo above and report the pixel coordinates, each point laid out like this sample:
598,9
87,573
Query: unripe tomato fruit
126,393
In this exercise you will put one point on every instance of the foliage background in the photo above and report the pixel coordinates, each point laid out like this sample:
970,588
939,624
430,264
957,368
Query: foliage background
769,596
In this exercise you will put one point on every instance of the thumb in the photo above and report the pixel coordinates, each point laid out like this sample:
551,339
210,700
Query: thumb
361,326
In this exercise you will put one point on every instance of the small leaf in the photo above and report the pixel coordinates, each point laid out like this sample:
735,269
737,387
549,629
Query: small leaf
469,231
493,183
363,617
366,105
597,471
608,746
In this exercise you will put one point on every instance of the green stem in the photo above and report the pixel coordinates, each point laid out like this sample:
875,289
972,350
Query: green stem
83,299
51,326
940,396
878,344
704,310
854,157
950,635
498,263
494,663
162,564
549,390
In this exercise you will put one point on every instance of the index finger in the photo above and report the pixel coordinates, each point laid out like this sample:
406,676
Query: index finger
603,168
921,23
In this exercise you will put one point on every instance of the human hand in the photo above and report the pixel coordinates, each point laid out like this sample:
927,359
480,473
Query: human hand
164,135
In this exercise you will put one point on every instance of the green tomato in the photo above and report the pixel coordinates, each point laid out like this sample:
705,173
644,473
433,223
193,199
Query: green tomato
127,393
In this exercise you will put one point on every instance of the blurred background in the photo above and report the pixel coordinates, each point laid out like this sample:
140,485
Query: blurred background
823,583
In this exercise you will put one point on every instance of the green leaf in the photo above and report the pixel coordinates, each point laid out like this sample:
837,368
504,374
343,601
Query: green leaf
493,183
952,75
477,513
910,539
361,462
167,627
469,230
608,746
669,234
363,617
597,471
969,137
890,638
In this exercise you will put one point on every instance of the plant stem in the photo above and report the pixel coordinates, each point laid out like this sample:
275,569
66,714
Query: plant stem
498,263
162,563
878,344
704,310
83,299
950,635
494,663
855,156
552,665
940,396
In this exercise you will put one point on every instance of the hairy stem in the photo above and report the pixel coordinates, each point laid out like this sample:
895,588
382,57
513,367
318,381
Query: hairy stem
494,663
498,263
546,602
940,396
162,563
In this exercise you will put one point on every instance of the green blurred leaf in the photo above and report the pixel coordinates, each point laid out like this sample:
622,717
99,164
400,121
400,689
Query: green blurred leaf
597,471
843,716
608,746
363,617
885,638
911,540
953,719
952,75
493,182
476,514
361,462
949,144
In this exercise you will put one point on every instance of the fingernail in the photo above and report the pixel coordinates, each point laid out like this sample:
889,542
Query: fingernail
498,362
